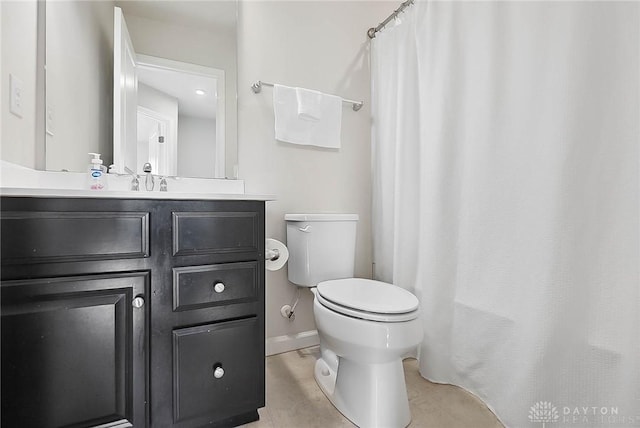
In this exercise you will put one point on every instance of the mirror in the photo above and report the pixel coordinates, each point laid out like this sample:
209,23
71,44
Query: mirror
183,139
176,45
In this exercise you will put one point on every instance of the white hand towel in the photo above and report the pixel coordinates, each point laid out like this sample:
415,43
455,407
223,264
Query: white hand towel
290,128
309,104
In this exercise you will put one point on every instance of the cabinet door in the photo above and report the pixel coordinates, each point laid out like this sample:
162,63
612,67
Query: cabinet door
73,351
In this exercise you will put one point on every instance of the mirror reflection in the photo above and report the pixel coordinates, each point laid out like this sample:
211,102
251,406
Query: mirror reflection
177,47
179,122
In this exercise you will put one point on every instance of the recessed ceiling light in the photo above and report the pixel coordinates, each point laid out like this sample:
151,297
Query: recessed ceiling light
200,92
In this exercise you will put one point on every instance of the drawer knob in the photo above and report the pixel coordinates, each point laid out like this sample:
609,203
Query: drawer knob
218,287
138,302
218,372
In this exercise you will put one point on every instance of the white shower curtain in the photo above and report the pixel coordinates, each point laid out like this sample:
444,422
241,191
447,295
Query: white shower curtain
506,197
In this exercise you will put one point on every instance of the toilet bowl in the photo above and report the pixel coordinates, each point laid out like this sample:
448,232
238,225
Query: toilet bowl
365,327
362,344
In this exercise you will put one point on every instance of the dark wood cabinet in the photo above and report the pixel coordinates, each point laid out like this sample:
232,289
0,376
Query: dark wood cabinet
131,312
73,351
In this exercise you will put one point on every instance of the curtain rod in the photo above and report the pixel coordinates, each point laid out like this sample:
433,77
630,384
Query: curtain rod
257,87
372,31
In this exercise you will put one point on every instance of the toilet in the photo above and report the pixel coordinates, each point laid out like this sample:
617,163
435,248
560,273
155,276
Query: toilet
366,327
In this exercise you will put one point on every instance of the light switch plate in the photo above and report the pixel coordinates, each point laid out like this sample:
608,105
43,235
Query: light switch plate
15,95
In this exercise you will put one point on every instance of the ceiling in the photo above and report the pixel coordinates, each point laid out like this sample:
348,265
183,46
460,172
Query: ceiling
203,14
182,85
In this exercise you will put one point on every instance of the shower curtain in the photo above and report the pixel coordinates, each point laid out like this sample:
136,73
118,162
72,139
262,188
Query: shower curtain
506,196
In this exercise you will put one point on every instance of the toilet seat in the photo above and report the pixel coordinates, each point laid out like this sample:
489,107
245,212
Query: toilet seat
368,299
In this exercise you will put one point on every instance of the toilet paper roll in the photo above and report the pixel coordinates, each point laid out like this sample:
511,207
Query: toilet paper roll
277,251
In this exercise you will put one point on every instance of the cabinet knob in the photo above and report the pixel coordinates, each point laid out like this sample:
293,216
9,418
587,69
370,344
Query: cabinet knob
218,372
218,287
138,302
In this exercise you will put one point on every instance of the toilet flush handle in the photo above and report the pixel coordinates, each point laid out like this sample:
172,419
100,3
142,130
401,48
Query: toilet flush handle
305,229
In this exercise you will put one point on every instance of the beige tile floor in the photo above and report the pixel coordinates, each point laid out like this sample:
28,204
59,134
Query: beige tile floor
295,401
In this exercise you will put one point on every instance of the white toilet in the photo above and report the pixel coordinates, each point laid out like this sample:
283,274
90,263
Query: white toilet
366,327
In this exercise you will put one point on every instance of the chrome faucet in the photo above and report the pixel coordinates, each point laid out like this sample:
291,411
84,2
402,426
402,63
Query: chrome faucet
149,182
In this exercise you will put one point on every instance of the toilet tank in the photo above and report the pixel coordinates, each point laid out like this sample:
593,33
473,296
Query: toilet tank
321,247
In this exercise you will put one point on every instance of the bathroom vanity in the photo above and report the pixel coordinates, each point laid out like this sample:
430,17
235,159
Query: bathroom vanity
132,312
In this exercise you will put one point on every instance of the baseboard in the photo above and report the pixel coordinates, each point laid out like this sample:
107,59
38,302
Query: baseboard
290,342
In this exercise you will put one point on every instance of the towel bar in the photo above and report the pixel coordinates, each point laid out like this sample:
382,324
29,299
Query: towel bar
257,88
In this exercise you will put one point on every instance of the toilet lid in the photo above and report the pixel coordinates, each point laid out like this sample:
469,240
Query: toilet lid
368,299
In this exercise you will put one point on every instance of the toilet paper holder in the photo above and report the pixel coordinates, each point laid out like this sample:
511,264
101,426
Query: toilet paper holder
276,254
272,254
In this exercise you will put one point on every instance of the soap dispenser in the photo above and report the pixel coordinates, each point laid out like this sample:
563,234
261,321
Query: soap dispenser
96,178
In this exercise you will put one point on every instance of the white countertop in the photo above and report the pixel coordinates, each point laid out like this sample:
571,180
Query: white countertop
17,180
72,193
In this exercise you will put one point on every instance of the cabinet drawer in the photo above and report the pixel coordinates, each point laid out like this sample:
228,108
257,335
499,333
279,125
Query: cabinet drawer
204,286
196,233
41,237
217,370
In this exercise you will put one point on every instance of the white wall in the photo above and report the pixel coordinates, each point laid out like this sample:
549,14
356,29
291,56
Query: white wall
323,46
79,53
196,46
18,52
196,146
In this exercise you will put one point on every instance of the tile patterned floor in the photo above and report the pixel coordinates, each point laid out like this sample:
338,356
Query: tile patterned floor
295,401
